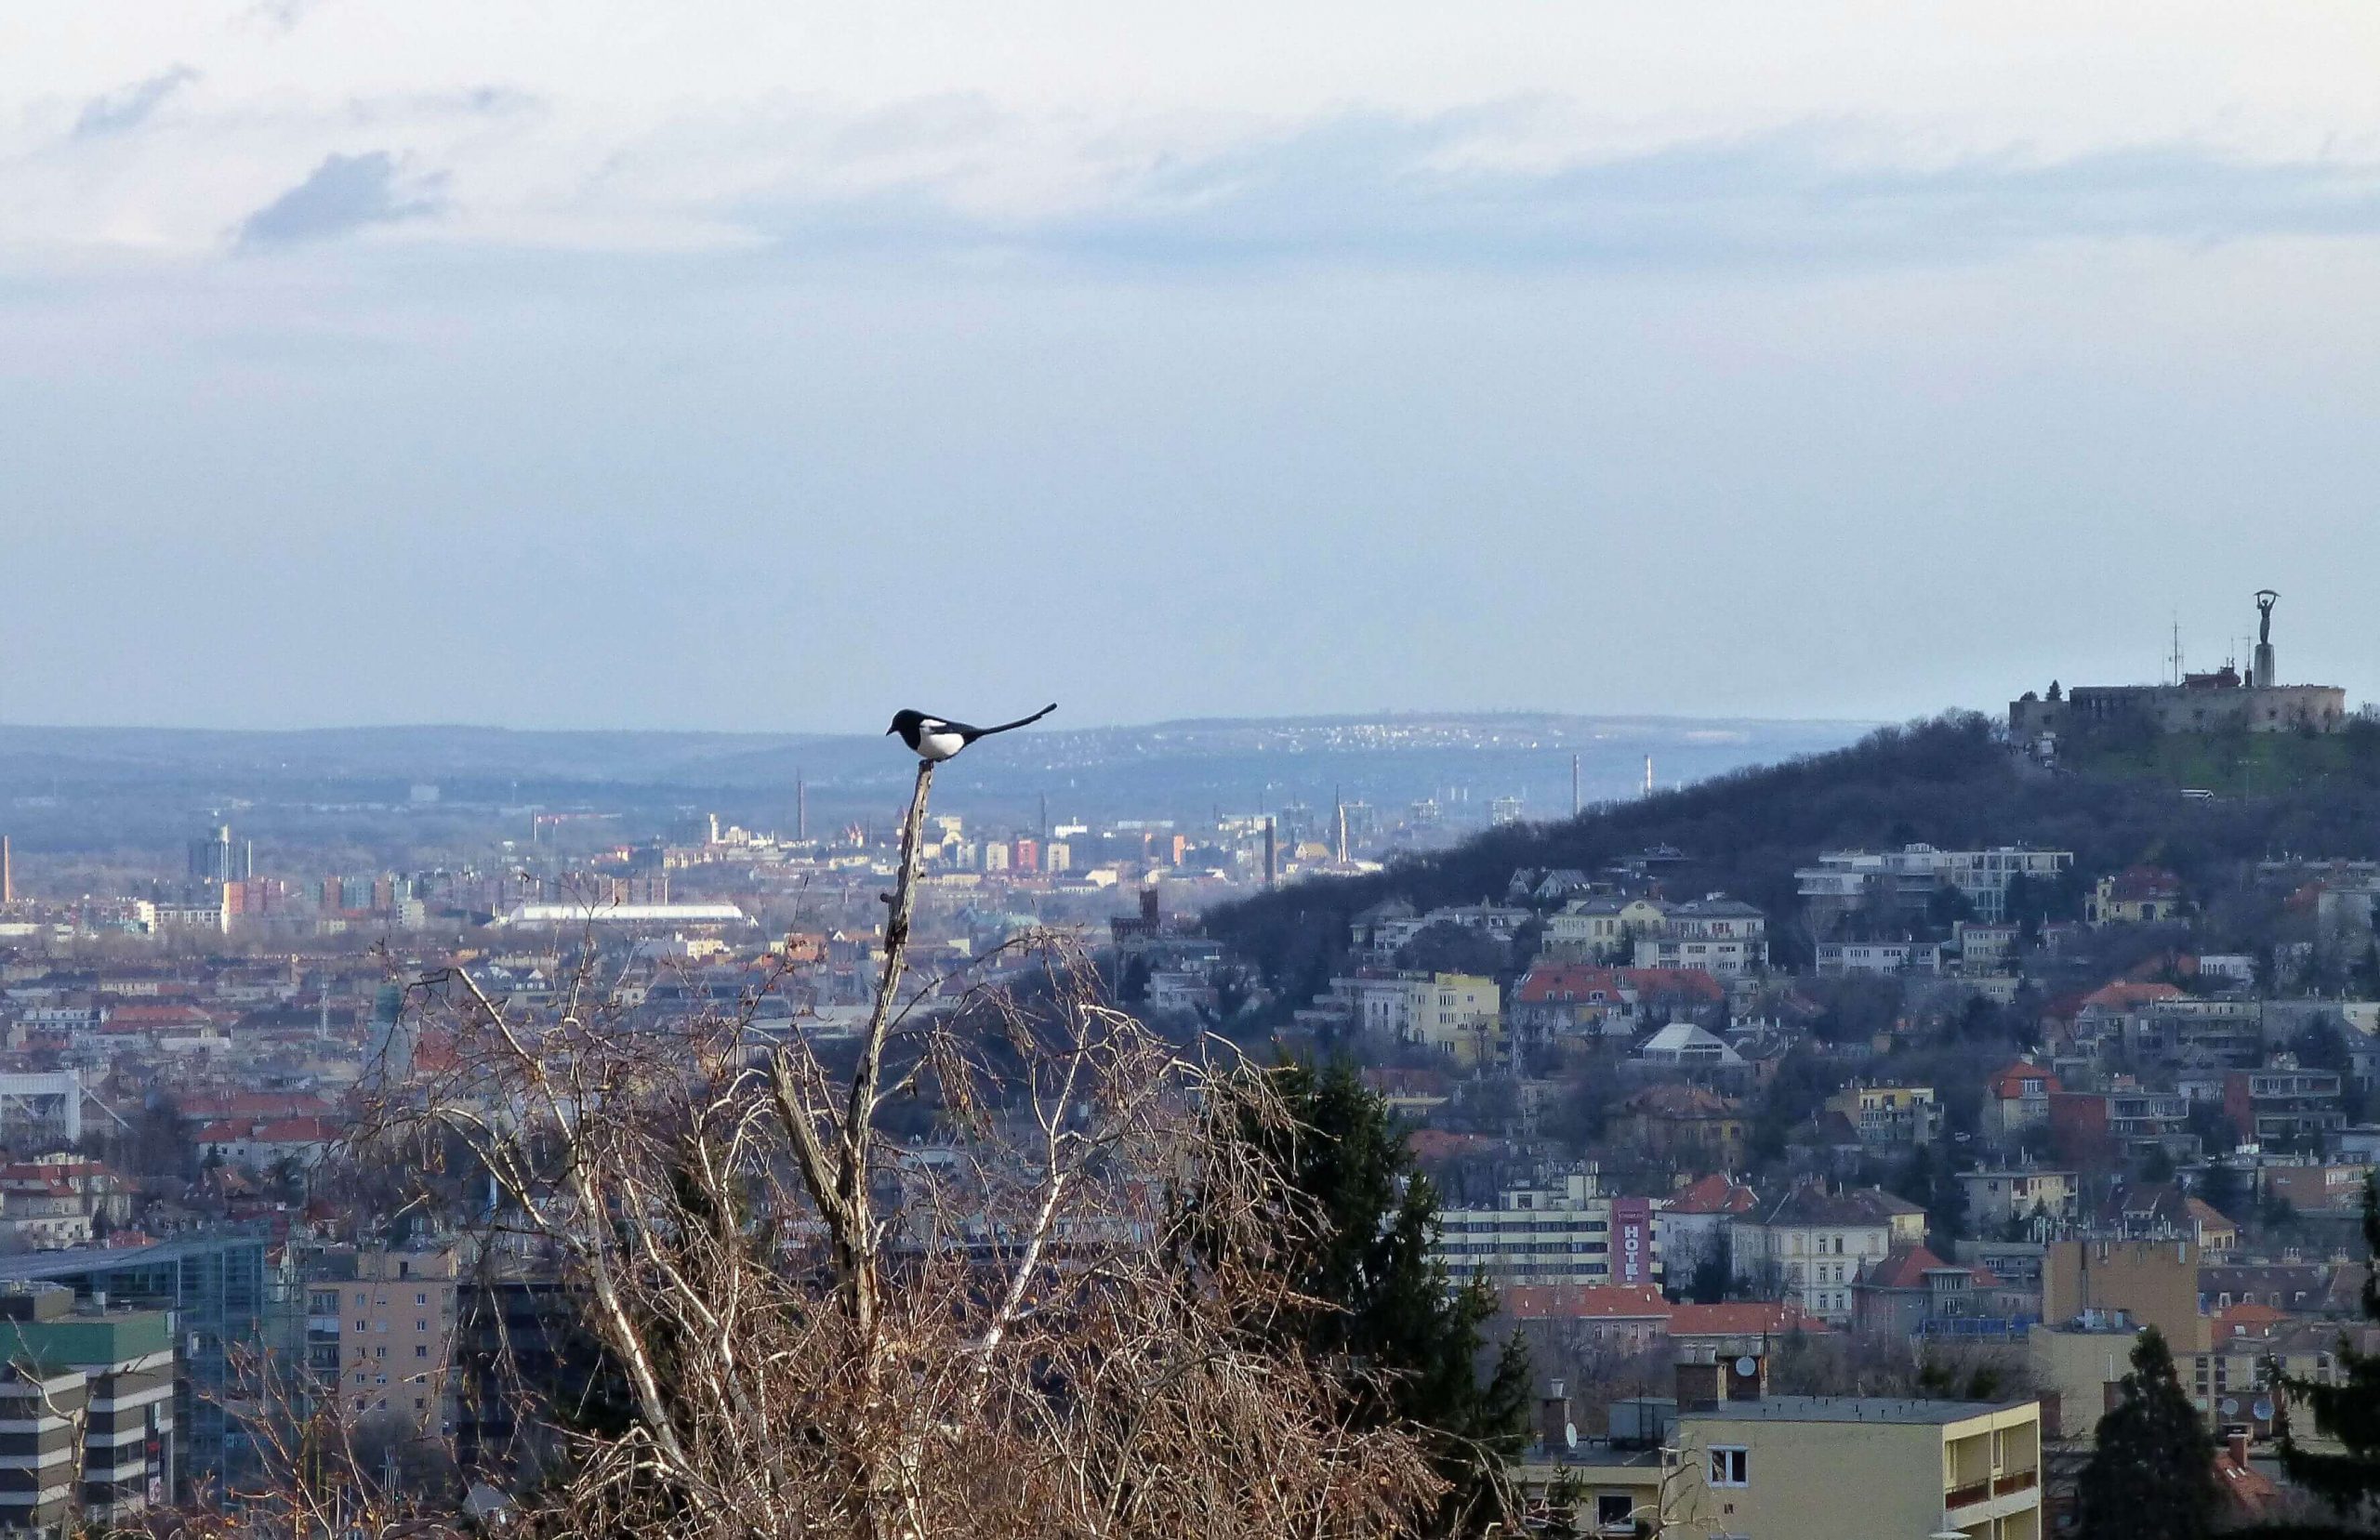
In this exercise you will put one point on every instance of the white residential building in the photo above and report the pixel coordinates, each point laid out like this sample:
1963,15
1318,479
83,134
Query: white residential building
1808,1247
1565,1230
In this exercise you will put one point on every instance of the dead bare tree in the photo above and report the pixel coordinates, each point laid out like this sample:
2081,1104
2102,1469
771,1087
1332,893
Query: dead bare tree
1034,1321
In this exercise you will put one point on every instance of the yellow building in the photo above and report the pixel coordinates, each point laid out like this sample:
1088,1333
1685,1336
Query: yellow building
1599,929
1822,1467
1458,1014
1889,1114
2137,895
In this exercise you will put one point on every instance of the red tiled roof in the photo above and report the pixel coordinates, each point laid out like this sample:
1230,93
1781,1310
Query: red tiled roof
1716,1193
1586,1302
139,1017
1568,984
1904,1268
1674,982
2244,1487
2145,882
2009,1083
2123,994
1743,1318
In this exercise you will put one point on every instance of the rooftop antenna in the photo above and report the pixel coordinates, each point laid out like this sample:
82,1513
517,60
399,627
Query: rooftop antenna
800,805
2176,659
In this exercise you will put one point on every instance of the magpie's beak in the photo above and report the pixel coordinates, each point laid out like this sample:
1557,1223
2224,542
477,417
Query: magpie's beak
890,730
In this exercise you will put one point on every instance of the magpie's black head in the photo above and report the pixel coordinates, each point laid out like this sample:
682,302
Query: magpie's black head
905,723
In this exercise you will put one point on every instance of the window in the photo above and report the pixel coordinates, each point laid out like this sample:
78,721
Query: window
421,1300
421,1351
1612,1509
1730,1466
382,1351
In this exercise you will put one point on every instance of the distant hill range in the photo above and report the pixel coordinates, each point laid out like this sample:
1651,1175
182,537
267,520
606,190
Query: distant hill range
1180,769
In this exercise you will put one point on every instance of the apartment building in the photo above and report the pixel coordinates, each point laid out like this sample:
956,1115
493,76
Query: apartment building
111,1375
1882,959
1819,1467
2295,1108
1457,1014
2086,1127
1810,1244
2017,1099
1999,1195
380,1331
1906,880
1717,934
1599,929
1886,1114
223,1304
1561,1230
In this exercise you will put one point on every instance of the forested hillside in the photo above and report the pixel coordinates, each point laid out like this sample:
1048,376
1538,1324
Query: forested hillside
1950,782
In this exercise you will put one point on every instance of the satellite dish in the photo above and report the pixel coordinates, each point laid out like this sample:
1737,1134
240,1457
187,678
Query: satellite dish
1747,1366
2263,1409
2230,1406
1571,1435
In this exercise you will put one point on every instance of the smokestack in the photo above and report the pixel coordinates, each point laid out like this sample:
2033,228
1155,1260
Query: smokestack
1574,787
801,807
7,874
1268,851
1648,775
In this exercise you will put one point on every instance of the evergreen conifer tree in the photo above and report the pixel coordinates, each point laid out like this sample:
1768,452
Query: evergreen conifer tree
2346,1410
1385,1301
2152,1475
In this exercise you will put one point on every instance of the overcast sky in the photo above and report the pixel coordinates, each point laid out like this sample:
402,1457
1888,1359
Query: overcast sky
772,366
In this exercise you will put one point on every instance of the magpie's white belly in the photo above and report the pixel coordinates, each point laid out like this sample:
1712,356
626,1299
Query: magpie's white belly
939,745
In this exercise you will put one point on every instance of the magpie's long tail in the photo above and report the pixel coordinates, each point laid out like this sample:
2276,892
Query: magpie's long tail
1021,721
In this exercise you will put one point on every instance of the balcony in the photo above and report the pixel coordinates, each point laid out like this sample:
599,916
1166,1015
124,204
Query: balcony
1996,1497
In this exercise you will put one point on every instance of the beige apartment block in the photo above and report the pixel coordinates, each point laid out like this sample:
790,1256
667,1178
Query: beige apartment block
1824,1467
397,1334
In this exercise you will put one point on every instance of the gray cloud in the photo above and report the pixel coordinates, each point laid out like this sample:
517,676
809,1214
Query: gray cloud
343,194
281,15
1366,188
1385,188
129,106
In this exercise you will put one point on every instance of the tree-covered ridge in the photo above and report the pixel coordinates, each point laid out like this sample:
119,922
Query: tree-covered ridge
1950,781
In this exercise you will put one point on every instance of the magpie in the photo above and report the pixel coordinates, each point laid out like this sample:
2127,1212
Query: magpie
936,740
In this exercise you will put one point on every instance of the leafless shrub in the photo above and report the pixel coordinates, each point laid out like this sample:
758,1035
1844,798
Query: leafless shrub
1046,1319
